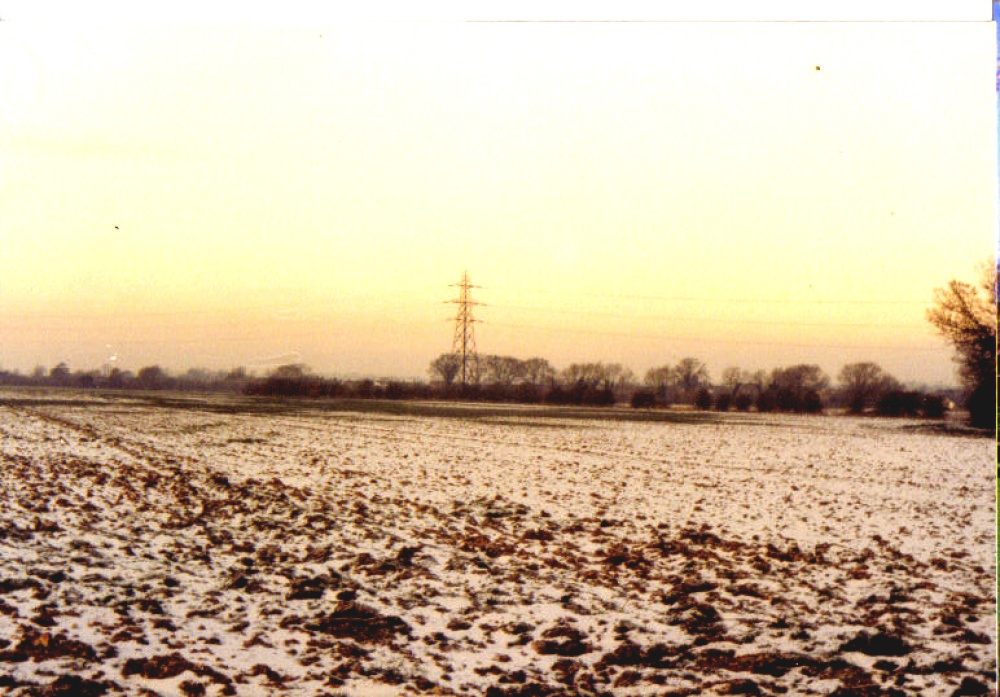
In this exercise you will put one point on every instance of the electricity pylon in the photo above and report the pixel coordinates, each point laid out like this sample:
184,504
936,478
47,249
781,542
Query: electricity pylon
463,346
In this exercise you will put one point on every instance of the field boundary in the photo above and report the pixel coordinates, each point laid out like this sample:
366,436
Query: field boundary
226,403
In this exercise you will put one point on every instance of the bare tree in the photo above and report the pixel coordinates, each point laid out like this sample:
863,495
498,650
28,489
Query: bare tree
691,375
290,371
151,377
863,384
744,386
797,388
615,376
734,378
588,375
502,370
60,375
660,380
118,378
539,372
446,366
591,383
966,315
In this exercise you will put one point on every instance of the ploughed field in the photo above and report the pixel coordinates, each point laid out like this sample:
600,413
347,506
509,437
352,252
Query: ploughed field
207,549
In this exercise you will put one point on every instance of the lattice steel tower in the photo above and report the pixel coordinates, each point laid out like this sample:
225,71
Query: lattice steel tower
463,346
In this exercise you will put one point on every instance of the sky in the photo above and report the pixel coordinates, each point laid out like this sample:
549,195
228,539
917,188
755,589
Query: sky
221,187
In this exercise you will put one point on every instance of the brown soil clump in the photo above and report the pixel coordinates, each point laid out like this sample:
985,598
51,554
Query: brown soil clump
350,620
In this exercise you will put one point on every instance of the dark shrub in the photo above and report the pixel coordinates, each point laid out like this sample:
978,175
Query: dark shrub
557,395
330,387
788,399
812,403
857,404
933,407
85,380
470,391
526,393
767,401
581,393
396,390
982,405
643,399
899,403
603,398
664,398
703,399
493,393
743,401
723,401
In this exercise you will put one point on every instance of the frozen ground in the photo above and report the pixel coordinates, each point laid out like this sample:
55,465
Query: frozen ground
187,551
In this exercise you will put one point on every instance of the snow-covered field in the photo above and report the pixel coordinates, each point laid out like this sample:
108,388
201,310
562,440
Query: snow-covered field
188,551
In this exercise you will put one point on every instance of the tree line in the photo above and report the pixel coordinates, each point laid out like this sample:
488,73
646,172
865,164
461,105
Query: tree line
862,388
151,377
965,314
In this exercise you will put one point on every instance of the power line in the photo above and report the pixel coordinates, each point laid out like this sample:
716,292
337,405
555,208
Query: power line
277,311
665,318
741,341
760,301
298,335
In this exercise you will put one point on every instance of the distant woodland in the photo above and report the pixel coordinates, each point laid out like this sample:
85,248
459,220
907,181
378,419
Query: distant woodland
860,387
964,314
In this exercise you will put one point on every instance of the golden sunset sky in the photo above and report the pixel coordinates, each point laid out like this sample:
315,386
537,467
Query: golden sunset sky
222,188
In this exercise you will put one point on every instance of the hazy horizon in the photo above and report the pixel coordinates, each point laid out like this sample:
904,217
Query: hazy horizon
752,194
